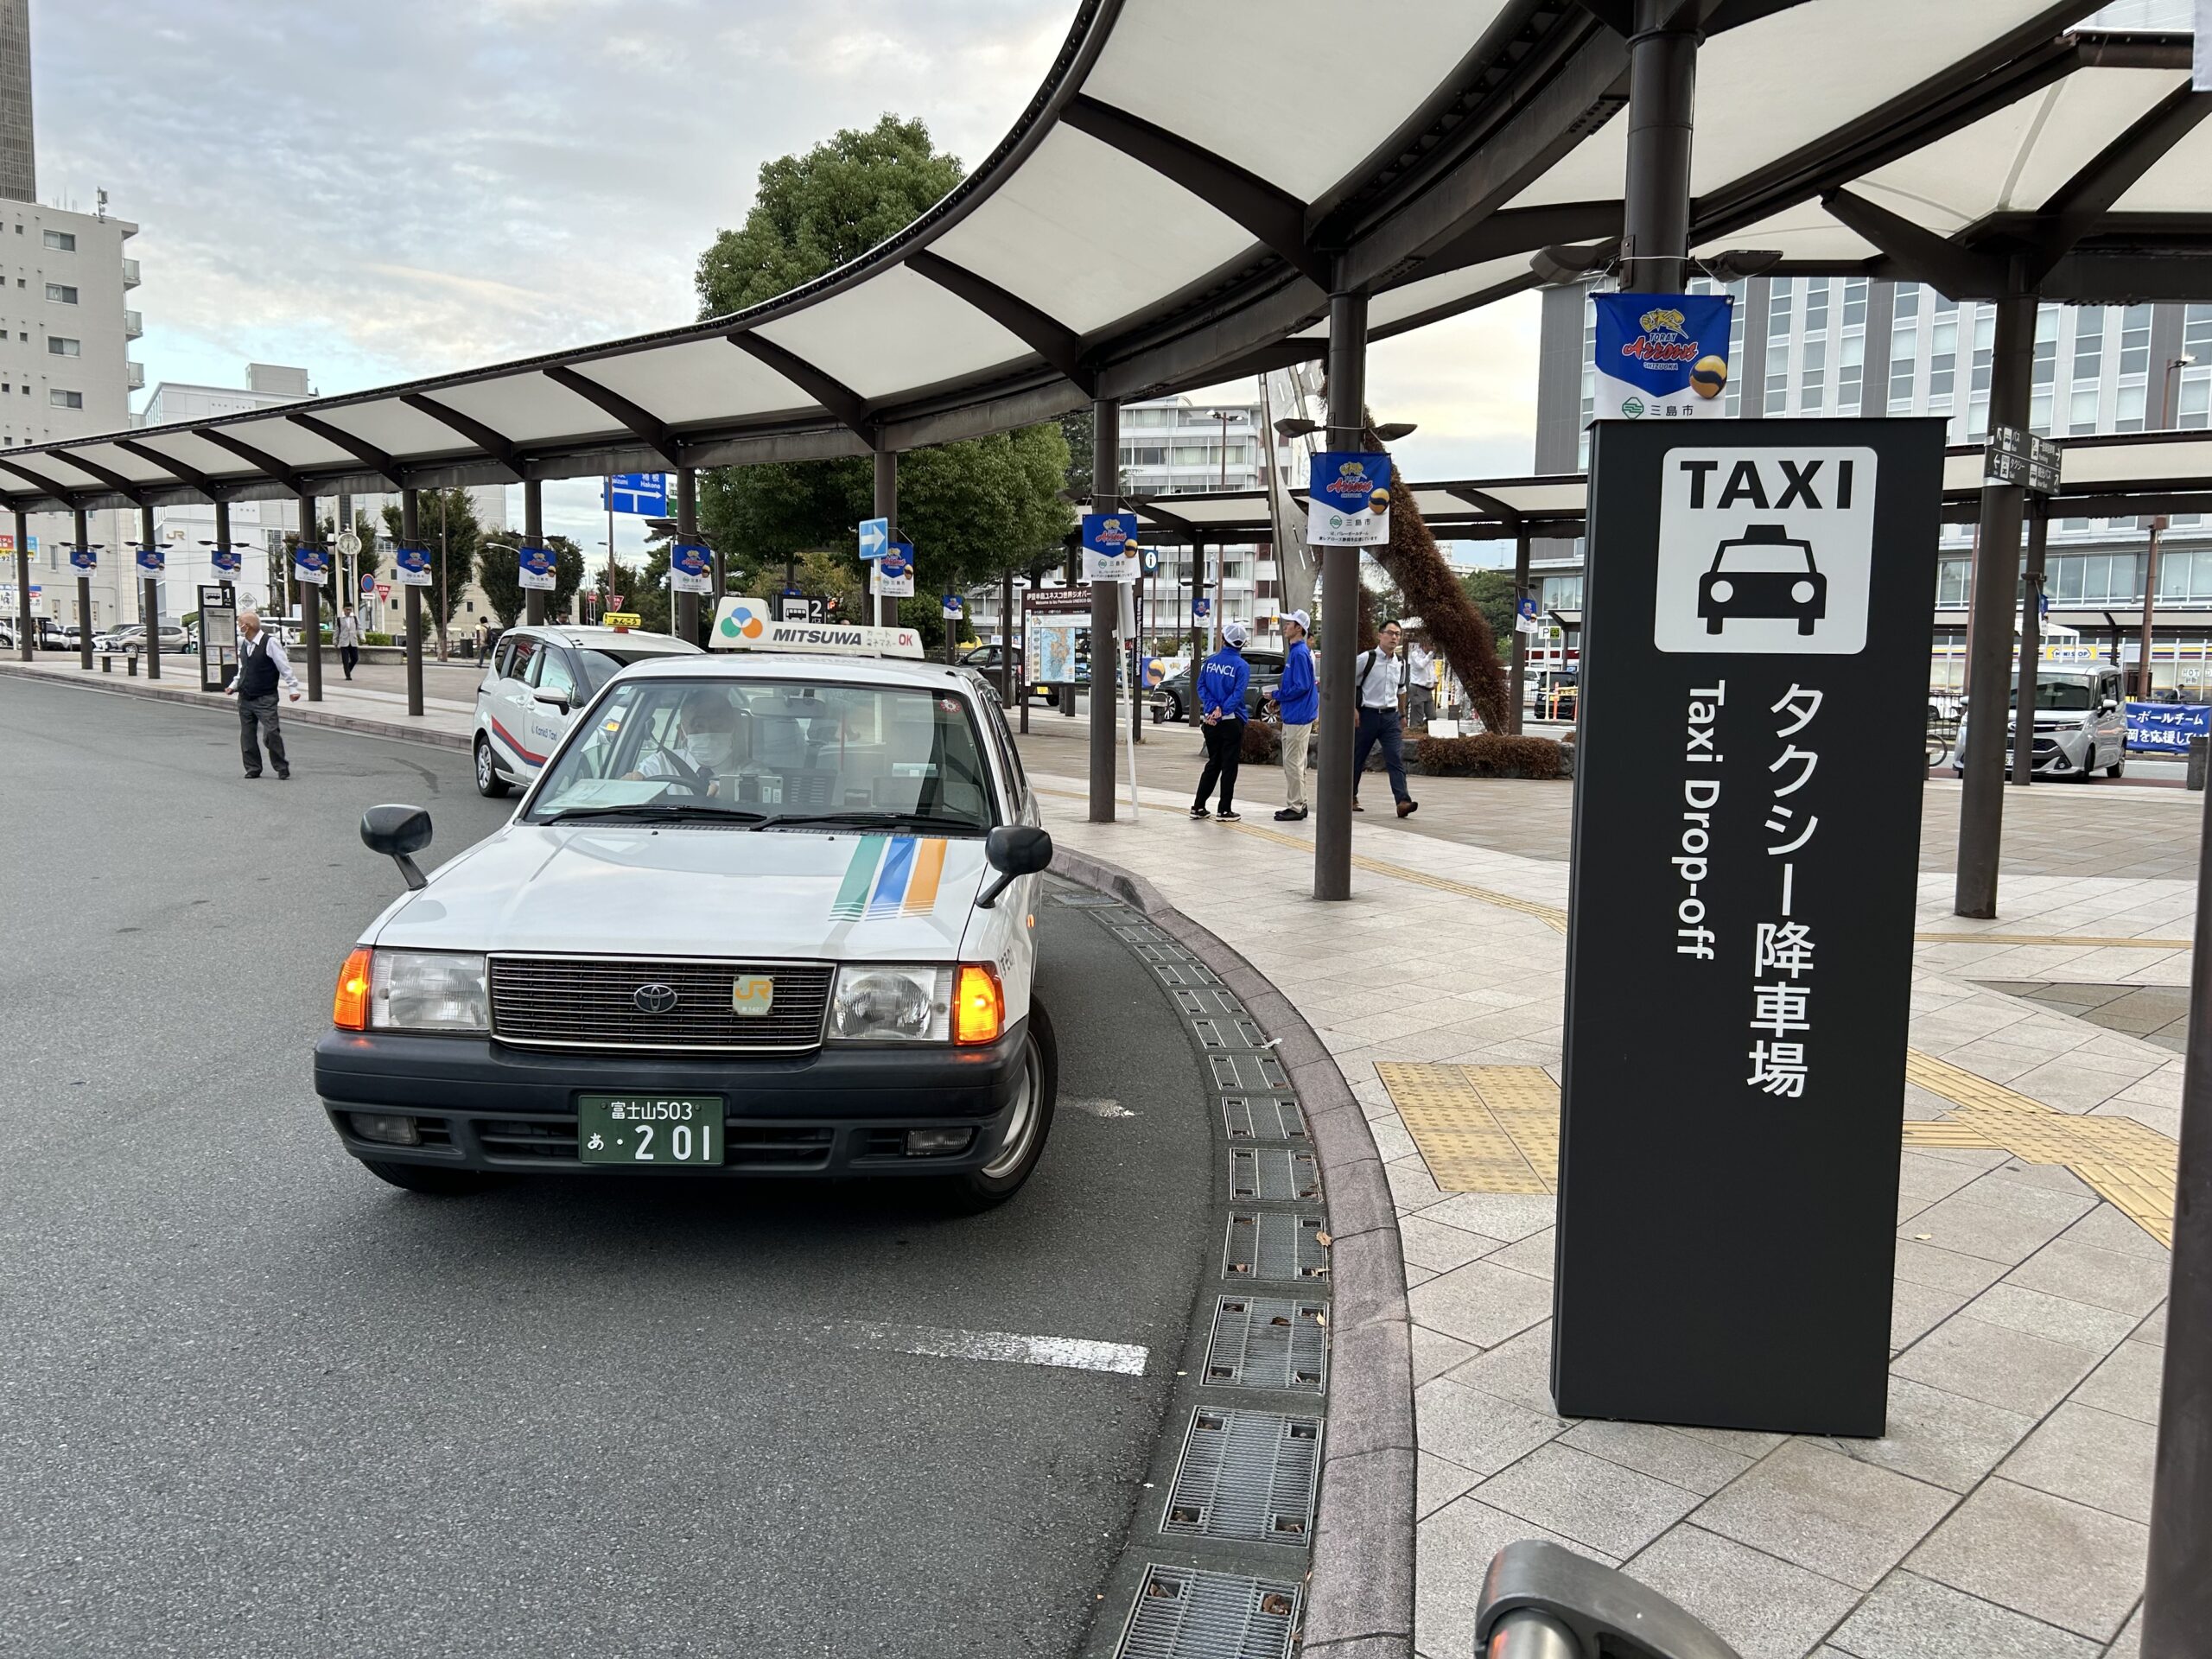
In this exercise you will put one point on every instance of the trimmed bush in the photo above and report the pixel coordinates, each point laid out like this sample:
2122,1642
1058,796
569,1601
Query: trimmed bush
1262,744
376,640
1492,754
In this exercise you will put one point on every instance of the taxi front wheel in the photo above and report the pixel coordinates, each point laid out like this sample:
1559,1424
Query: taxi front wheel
489,784
1029,1123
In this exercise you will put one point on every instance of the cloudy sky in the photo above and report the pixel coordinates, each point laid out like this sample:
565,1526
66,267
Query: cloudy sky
377,189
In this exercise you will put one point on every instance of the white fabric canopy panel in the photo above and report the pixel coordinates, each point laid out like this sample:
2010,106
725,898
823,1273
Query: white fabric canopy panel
894,332
700,381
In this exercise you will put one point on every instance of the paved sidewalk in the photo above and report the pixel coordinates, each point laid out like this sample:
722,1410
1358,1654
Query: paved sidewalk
2005,1513
444,721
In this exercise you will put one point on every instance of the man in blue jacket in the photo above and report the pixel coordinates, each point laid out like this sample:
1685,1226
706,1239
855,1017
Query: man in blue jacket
1298,700
1220,682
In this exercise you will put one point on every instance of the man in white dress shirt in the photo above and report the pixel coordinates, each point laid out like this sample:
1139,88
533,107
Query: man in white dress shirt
262,663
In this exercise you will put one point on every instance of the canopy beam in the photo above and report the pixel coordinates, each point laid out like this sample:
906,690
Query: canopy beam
129,490
640,423
260,459
1054,341
363,451
849,408
496,444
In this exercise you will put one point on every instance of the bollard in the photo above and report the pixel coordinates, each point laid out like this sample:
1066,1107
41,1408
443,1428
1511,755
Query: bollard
2198,748
107,664
130,665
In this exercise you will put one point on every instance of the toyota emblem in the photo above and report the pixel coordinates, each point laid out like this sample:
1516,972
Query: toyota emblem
654,998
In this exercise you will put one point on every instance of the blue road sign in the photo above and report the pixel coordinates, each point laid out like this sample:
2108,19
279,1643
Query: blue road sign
368,581
876,536
1151,561
640,492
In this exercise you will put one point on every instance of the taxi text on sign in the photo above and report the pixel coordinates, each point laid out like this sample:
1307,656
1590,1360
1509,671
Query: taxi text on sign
1739,954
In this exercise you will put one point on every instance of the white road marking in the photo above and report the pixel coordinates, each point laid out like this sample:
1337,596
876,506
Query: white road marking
1071,1353
1102,1108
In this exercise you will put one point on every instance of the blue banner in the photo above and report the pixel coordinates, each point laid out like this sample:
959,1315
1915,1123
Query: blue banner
537,569
1348,499
1109,546
640,492
2166,727
311,565
151,562
412,566
689,569
83,560
1660,354
225,560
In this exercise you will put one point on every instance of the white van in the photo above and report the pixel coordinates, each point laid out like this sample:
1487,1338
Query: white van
536,681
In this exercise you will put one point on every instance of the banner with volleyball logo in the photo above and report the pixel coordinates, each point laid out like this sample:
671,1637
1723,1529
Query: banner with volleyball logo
1660,355
1348,499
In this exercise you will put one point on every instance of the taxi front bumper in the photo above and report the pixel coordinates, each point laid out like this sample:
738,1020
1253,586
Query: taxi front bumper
481,1105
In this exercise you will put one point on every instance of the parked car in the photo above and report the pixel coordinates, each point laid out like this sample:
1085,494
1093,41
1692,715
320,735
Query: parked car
2079,724
169,639
50,635
536,681
1171,698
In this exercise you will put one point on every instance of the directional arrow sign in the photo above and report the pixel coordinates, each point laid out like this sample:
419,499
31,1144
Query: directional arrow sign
876,536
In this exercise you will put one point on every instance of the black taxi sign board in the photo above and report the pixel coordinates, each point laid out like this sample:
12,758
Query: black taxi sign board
1739,956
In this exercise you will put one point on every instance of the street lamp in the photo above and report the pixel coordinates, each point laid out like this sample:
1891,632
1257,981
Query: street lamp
2167,403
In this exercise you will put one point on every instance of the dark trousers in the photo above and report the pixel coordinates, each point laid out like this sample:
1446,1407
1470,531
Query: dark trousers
258,724
1224,752
1380,726
349,655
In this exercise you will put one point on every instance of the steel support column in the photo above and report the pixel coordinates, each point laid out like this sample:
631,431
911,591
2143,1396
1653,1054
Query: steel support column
885,612
2024,737
1662,100
24,649
1006,640
533,535
150,601
1519,678
311,603
1996,582
1347,391
83,599
2177,1590
1105,608
2150,611
685,607
411,535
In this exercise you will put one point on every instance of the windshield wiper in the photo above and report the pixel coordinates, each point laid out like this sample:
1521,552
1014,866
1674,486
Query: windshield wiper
881,820
655,809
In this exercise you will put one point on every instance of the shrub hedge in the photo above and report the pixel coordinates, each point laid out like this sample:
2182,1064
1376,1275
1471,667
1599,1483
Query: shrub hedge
1492,754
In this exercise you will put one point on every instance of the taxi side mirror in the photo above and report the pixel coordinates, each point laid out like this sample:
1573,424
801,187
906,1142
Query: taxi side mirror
398,832
552,699
1013,849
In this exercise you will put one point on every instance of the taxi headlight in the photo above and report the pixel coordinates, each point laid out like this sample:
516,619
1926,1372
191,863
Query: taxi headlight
882,1003
428,990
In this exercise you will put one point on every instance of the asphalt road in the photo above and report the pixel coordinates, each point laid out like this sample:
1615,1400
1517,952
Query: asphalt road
259,1404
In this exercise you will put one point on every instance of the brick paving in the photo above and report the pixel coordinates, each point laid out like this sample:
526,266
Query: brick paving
2005,1510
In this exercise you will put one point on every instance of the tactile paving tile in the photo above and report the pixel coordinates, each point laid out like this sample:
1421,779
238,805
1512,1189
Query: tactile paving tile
1480,1128
1183,1613
1246,1476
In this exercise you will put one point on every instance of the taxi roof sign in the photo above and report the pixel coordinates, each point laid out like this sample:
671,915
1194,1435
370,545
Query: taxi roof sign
753,624
622,621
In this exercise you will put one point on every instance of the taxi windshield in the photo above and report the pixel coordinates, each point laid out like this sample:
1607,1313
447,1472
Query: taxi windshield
2068,694
772,752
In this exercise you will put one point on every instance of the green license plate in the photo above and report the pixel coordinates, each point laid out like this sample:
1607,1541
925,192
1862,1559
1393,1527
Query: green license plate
643,1131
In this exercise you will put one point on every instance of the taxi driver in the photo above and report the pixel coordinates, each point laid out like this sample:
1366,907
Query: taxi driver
707,739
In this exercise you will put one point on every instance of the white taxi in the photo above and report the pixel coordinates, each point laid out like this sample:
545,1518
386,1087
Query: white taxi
763,913
536,678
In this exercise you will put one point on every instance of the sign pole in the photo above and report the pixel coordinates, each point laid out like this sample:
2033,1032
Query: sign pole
150,599
1105,604
2024,721
1125,598
410,532
24,649
1661,105
311,604
83,599
1520,634
685,604
886,508
1333,788
533,535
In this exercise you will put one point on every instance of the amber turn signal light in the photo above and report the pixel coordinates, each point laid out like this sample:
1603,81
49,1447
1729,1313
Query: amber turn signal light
349,1004
979,1009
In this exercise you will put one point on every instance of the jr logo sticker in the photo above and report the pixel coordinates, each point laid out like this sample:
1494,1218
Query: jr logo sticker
1765,551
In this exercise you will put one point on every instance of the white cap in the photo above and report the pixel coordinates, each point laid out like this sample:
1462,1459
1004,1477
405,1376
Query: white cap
1304,625
1234,632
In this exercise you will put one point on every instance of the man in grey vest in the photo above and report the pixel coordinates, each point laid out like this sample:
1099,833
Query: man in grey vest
262,663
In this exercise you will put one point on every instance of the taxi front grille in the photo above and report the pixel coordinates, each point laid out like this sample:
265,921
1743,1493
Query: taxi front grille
616,1002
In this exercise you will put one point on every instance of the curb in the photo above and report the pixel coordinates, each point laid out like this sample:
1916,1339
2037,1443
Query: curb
1359,1600
193,696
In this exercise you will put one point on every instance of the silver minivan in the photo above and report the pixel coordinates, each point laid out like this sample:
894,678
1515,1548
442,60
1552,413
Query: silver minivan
2079,723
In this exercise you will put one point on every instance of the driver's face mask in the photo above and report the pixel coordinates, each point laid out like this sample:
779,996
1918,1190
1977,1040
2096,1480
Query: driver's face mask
718,751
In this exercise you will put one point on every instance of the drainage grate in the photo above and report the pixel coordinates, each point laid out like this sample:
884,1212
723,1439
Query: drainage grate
1267,1342
1274,1247
1180,971
1086,901
1272,1173
1262,1117
1204,1005
1184,1614
1140,933
1230,1033
1242,1072
1247,1475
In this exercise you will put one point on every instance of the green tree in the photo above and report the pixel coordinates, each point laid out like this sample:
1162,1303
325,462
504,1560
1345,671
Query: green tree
815,212
971,509
447,518
1490,592
500,575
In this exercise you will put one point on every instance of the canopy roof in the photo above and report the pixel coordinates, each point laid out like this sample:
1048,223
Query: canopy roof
1152,222
2111,475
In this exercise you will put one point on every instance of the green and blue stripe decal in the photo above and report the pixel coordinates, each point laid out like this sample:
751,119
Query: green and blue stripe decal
891,875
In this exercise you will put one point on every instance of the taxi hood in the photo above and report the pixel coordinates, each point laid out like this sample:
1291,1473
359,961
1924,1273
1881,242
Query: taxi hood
631,889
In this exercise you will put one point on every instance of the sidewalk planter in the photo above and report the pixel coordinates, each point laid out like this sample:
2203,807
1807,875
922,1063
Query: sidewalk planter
1493,754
